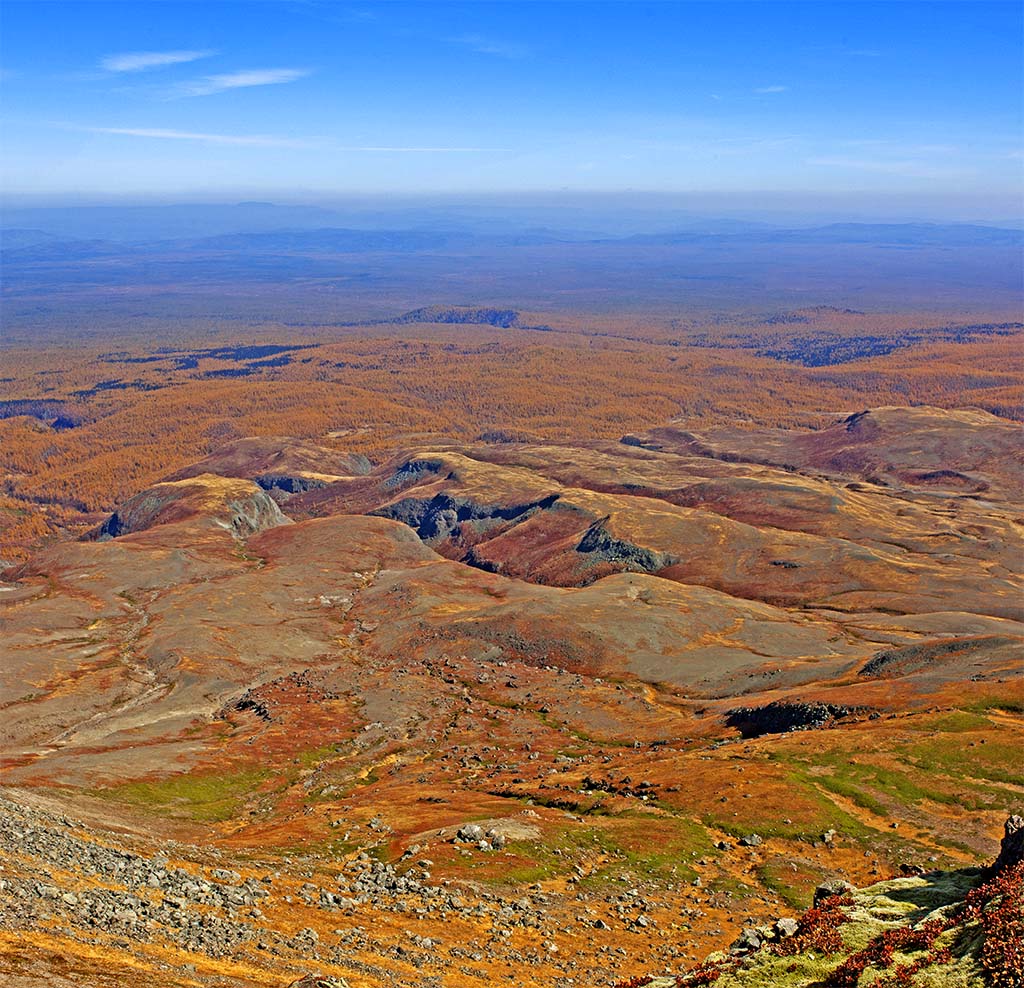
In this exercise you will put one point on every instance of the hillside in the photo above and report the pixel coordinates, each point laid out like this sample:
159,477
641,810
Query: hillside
504,710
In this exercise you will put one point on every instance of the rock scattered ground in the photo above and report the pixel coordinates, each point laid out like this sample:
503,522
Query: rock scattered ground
79,905
73,890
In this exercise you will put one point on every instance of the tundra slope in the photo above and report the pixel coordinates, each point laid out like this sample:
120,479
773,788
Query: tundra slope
295,658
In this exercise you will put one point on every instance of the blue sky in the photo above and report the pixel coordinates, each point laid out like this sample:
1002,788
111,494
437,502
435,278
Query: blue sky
313,98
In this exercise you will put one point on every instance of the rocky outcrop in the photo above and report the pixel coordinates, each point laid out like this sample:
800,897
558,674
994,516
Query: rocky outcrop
442,516
623,555
1011,851
781,717
830,889
413,471
238,505
289,483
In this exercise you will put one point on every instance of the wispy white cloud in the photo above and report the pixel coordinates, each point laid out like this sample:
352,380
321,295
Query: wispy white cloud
212,84
139,61
270,141
239,140
491,46
765,90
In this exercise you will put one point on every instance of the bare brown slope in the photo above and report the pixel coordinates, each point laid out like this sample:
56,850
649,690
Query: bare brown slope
566,516
955,451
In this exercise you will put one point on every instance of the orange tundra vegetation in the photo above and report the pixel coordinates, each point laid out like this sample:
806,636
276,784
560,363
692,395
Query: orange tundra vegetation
84,428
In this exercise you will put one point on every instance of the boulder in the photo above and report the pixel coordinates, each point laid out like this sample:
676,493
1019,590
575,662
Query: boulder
749,939
833,887
1011,850
786,927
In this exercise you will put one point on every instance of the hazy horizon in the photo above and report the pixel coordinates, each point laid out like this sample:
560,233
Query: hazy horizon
628,210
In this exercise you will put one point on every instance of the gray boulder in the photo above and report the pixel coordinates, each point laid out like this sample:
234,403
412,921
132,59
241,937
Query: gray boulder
831,888
786,927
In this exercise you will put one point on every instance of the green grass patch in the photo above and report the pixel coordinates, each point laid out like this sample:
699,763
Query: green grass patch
209,797
314,756
859,781
931,771
953,723
812,813
994,761
657,848
984,704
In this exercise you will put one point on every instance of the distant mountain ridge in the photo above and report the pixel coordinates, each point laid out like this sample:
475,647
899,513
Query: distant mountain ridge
255,225
23,247
67,264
